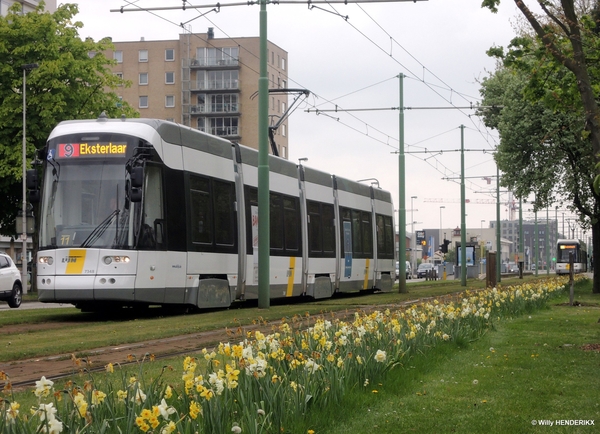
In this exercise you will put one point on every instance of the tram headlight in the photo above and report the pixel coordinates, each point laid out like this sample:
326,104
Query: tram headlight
49,260
119,259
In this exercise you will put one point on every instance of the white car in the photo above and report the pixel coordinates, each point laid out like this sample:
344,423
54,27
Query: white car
408,270
11,289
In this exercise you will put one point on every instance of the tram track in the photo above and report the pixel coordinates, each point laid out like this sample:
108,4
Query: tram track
24,373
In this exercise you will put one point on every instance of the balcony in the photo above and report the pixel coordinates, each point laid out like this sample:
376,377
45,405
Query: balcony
213,63
221,131
215,85
215,108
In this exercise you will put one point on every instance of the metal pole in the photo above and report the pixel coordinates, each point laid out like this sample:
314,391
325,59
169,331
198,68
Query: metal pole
547,244
402,198
443,240
463,212
263,168
556,239
24,280
24,207
413,239
521,241
537,236
498,232
481,249
441,227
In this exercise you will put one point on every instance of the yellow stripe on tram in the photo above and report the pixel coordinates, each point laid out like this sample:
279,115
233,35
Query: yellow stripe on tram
291,271
75,263
366,283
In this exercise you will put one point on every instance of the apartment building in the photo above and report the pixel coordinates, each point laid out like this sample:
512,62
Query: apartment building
204,82
26,5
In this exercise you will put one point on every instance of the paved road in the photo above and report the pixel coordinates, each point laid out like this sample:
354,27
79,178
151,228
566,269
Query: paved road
33,305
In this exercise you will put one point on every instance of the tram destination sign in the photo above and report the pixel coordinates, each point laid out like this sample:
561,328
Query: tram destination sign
97,149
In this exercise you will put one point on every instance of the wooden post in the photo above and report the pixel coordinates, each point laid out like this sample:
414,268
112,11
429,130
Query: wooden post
490,270
571,279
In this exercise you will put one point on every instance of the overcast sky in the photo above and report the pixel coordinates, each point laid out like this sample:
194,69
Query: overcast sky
439,45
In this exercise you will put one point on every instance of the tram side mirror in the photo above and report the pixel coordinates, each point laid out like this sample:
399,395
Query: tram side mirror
137,177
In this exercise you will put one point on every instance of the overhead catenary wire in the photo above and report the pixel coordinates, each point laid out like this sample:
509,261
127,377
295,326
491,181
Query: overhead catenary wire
368,127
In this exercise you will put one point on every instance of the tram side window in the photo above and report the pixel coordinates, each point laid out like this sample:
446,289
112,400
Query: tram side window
276,222
362,238
284,222
321,229
367,233
315,229
200,208
212,213
328,220
357,247
224,213
291,220
385,237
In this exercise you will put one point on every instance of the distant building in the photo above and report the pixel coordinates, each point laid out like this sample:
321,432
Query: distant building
204,82
510,230
26,5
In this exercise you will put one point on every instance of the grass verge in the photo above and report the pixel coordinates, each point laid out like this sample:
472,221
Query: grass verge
529,371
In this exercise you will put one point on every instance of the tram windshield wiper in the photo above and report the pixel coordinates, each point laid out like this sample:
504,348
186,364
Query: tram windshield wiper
100,229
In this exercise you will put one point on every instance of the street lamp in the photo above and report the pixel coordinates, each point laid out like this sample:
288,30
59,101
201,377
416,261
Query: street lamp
26,67
412,236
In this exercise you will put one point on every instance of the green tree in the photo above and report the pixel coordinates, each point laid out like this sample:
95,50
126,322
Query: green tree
550,124
73,81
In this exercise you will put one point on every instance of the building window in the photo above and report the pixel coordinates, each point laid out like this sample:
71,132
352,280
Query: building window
169,55
143,78
170,101
169,77
283,130
225,126
143,55
283,63
216,56
219,80
283,106
143,102
118,56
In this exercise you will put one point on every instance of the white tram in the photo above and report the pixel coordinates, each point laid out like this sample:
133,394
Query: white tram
566,248
148,212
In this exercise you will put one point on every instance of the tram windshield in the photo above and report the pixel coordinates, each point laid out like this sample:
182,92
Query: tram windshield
566,249
84,201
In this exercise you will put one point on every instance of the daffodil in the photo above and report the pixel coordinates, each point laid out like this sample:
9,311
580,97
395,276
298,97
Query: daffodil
165,409
43,387
380,356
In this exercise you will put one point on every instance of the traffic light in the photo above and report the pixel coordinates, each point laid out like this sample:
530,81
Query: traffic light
444,246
